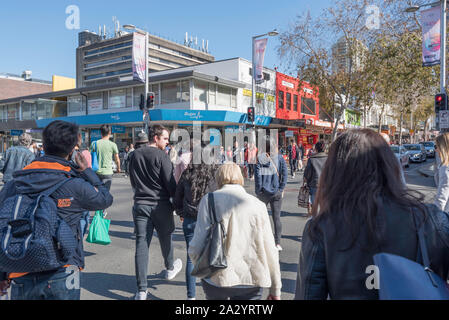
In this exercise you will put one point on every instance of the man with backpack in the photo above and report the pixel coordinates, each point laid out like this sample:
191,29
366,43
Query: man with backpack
44,203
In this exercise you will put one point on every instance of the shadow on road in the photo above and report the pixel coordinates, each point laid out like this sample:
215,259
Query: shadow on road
294,238
102,284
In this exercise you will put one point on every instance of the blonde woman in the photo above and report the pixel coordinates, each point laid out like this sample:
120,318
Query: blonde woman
252,257
442,196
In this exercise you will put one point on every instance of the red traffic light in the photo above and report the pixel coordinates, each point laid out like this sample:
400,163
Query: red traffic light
439,98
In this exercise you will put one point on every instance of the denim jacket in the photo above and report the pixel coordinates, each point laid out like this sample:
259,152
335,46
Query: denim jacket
16,158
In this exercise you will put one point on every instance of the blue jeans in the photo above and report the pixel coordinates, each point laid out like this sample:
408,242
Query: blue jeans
312,194
189,227
84,223
63,284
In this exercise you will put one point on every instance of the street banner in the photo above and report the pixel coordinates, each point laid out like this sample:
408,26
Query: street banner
139,60
430,21
259,55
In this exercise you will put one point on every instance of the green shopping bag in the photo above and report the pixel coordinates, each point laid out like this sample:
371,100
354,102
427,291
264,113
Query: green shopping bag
99,229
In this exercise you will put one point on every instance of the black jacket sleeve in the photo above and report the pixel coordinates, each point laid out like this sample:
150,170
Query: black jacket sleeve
167,176
311,281
308,172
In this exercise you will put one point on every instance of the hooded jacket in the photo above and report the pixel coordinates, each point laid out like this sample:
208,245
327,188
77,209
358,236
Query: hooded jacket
268,178
84,192
313,169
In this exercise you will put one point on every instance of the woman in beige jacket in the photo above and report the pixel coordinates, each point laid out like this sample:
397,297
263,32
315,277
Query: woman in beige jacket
252,257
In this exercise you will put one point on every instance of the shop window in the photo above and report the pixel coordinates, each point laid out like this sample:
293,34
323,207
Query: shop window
295,102
200,91
234,98
105,99
212,93
95,101
117,99
75,104
129,97
308,106
13,112
137,91
281,99
185,91
223,96
289,101
169,92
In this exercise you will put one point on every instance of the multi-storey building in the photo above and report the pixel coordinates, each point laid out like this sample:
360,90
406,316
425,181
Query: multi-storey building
102,61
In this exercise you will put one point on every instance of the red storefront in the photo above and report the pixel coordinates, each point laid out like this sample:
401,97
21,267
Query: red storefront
297,109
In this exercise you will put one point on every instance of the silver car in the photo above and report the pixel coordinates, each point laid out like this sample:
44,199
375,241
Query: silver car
417,152
402,154
430,148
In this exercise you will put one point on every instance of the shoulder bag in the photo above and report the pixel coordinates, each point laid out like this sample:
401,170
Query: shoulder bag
213,256
303,196
404,279
94,158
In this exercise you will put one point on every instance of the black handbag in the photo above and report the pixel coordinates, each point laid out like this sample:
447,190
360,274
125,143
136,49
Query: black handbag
303,196
213,256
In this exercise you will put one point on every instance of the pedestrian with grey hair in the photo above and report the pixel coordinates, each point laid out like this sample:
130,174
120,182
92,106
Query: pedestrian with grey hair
17,157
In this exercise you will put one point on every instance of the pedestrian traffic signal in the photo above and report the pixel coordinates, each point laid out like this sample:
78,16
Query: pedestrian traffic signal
440,102
150,100
251,114
142,102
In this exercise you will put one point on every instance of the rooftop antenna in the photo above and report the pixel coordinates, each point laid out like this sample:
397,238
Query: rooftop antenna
104,31
207,46
186,40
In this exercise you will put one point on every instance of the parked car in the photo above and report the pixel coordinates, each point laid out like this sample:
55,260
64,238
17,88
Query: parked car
417,152
430,148
402,154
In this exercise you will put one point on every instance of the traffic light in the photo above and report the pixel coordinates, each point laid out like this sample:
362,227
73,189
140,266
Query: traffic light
251,114
150,100
142,102
440,102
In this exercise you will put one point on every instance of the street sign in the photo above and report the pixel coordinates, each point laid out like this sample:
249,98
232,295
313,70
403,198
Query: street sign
16,132
444,119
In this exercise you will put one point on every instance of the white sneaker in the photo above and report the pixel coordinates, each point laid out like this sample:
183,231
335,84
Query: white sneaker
177,266
278,246
191,298
141,295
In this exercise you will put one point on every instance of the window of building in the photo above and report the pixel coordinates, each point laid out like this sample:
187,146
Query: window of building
28,111
223,96
169,91
233,98
281,99
295,102
75,104
308,106
106,62
108,74
95,101
129,97
117,99
105,99
185,91
289,101
137,91
200,91
108,48
212,93
13,112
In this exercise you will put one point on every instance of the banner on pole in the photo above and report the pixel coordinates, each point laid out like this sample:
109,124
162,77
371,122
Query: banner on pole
139,61
259,55
430,21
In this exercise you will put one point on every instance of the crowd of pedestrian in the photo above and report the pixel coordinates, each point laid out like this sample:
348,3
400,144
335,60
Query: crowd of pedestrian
359,206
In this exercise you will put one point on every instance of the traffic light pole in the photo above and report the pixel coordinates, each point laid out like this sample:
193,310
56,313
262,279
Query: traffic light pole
443,56
146,110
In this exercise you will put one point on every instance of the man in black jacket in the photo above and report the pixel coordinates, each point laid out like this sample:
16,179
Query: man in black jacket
314,167
153,183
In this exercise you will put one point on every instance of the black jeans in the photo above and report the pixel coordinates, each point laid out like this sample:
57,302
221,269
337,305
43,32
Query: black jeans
146,219
252,169
224,293
106,179
275,202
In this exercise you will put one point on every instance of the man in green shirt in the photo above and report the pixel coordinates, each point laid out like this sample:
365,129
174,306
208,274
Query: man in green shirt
106,150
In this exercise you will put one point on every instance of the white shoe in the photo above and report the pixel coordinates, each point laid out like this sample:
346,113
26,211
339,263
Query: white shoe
141,295
177,266
278,246
191,298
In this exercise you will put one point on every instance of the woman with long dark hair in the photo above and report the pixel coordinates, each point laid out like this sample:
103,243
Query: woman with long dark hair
362,209
196,181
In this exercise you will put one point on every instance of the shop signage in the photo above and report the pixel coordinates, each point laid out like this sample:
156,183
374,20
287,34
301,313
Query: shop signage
289,133
327,131
307,90
288,84
118,129
16,132
193,115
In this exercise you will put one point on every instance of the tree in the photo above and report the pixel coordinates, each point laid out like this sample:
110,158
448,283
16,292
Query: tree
308,45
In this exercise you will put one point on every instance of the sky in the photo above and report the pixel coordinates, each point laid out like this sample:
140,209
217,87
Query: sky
34,36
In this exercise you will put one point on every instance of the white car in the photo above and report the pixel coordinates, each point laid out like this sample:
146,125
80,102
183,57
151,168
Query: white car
402,154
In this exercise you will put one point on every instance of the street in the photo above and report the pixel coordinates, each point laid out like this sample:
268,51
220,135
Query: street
109,272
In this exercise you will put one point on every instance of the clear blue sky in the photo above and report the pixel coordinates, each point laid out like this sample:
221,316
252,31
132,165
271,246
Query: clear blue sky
33,35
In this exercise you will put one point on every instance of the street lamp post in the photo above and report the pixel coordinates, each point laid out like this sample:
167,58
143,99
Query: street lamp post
253,84
147,111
